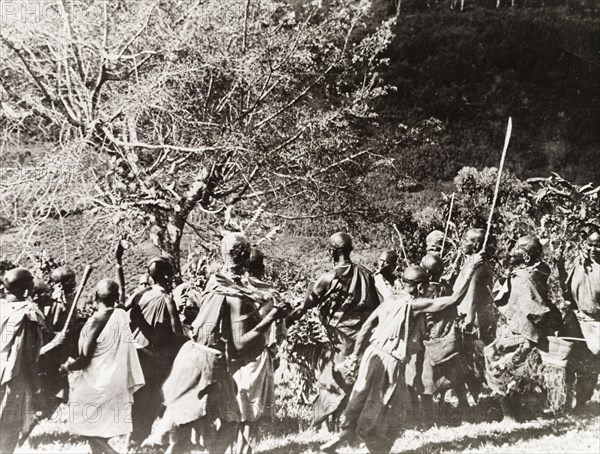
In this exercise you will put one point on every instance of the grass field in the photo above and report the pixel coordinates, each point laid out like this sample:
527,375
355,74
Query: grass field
476,432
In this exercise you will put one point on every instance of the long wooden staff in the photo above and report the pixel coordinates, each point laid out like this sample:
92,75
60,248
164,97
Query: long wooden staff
447,225
402,245
86,275
489,222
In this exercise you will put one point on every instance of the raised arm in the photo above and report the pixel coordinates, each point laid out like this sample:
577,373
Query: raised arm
421,305
120,276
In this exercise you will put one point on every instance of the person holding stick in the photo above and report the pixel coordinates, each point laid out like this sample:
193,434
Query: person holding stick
105,374
380,405
444,363
476,310
64,323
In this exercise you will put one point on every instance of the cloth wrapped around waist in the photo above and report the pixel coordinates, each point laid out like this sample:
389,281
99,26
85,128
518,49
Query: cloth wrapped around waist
199,373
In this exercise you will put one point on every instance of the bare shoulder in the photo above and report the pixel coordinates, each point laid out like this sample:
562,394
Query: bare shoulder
324,281
97,322
99,318
234,303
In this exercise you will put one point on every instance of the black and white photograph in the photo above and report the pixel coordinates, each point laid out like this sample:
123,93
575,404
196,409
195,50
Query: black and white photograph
299,226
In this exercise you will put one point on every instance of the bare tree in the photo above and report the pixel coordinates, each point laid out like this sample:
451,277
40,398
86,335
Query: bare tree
203,105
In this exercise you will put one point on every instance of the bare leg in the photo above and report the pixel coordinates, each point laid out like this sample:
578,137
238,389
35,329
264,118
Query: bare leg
508,410
427,413
461,394
100,445
179,440
9,439
217,441
584,388
245,439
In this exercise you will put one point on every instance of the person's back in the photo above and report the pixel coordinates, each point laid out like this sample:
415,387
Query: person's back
109,380
153,307
158,334
350,298
105,373
20,342
227,334
345,296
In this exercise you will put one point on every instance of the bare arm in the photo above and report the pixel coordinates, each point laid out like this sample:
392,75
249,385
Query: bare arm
421,305
174,317
365,332
58,340
243,340
313,299
90,336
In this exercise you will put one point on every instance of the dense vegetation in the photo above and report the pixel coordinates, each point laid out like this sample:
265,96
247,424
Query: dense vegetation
472,70
289,115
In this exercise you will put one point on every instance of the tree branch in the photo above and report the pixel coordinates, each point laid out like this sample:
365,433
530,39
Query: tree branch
310,176
137,35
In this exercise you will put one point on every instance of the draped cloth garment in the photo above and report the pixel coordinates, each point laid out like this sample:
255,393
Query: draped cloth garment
346,305
21,325
201,383
101,394
527,319
380,405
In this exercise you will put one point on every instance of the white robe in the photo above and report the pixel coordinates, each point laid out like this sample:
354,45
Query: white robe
101,394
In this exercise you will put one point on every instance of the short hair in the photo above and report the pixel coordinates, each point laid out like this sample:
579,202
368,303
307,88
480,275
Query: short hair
256,255
160,267
341,242
434,237
433,263
235,248
415,275
107,292
476,233
392,254
531,245
62,274
18,280
593,236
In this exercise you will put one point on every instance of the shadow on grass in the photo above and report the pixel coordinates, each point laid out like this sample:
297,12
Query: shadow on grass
293,447
498,438
63,438
551,426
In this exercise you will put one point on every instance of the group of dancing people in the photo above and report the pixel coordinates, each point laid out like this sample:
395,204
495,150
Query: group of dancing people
184,368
